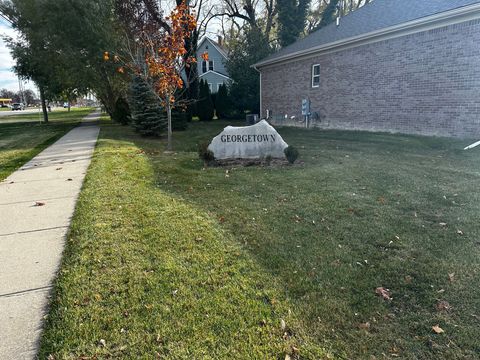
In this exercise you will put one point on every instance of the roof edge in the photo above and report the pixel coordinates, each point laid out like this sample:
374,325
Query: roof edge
216,73
458,15
221,51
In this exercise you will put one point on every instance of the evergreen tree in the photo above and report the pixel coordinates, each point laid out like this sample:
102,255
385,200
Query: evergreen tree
329,13
292,15
148,117
205,105
179,119
246,50
121,113
223,104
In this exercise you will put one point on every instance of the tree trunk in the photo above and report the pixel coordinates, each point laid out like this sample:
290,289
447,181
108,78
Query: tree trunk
44,105
169,119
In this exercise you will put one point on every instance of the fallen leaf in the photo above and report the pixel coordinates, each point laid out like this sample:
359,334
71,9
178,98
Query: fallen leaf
102,343
381,200
384,293
443,306
408,279
364,326
437,329
283,325
451,277
58,168
39,203
459,232
287,357
222,219
69,179
297,218
443,224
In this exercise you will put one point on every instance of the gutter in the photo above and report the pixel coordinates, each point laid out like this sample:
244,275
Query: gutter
465,13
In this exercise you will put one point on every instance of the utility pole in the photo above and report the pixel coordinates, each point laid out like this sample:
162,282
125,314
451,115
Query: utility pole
21,89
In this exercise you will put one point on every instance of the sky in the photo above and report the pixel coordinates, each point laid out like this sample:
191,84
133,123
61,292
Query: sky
8,79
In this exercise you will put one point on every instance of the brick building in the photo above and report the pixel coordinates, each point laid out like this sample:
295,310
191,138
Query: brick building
404,66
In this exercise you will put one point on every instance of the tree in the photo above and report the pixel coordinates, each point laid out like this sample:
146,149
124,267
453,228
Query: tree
157,48
325,12
205,104
291,20
179,119
61,45
121,113
223,103
328,15
148,117
248,49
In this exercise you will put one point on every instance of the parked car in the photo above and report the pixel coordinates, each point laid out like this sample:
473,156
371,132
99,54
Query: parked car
18,106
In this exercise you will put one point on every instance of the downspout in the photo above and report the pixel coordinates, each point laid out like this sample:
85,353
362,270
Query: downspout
261,112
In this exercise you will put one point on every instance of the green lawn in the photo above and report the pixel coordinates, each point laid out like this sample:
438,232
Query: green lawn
168,260
23,136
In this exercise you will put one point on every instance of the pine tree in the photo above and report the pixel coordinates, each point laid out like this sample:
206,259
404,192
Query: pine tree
148,117
292,15
247,49
205,104
223,104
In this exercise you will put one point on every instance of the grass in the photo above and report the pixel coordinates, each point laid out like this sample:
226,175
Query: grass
22,136
169,260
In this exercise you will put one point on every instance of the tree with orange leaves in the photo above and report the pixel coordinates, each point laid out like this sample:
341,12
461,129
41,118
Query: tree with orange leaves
158,51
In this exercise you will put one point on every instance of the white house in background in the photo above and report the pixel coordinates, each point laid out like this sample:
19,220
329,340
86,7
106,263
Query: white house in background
213,71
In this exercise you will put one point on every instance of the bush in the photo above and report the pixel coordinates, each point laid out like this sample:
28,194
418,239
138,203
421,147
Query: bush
121,112
179,119
223,103
204,153
291,153
205,106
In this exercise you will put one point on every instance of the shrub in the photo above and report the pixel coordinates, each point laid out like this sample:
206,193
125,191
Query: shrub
179,119
121,112
223,104
205,106
291,153
204,153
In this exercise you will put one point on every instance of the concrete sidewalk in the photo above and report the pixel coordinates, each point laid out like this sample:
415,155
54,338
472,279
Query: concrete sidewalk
36,206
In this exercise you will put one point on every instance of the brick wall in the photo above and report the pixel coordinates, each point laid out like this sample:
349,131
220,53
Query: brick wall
426,83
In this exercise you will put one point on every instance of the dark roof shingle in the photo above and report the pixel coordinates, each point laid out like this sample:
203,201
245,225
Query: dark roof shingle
377,15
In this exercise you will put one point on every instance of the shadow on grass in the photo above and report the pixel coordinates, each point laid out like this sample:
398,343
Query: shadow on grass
363,211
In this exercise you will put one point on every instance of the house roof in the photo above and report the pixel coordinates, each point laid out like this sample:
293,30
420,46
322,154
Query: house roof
216,73
221,49
375,16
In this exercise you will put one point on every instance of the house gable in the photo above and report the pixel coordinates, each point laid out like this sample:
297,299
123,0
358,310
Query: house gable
216,54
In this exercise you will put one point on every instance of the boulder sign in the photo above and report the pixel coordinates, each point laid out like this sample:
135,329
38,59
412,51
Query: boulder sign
248,142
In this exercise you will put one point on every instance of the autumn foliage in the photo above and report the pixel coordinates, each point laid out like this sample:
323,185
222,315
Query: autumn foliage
156,51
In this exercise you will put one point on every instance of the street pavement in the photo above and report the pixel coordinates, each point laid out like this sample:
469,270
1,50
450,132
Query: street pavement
37,203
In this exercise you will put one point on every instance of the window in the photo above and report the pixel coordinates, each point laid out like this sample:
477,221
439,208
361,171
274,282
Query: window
316,75
206,66
210,87
218,86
